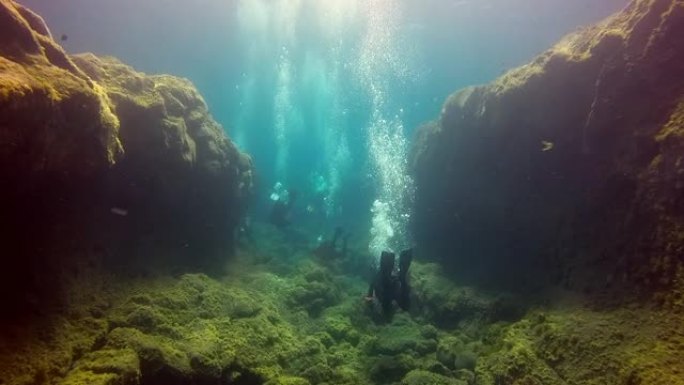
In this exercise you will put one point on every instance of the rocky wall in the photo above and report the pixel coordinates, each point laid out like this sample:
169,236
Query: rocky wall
103,165
567,170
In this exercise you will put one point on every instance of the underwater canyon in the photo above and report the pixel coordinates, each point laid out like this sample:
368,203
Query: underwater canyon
545,210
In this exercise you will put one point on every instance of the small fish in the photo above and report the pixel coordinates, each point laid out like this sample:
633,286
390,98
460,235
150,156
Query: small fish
546,145
310,209
64,37
118,211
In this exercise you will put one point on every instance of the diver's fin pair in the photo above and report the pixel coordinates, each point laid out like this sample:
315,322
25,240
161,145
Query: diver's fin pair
387,259
405,258
387,262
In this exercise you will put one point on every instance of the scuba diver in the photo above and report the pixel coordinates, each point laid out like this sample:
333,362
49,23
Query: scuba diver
244,230
282,209
388,286
329,249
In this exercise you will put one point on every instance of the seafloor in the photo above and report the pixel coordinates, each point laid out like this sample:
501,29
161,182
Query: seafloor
549,210
282,315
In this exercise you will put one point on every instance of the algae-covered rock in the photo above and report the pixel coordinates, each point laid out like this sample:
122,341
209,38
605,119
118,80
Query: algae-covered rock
311,353
448,305
316,290
55,119
341,330
286,380
421,377
156,353
103,164
176,340
450,350
318,374
389,369
518,362
404,336
106,367
57,130
580,346
565,170
396,340
177,160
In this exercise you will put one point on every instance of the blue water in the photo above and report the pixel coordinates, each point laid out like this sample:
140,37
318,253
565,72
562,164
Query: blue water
325,95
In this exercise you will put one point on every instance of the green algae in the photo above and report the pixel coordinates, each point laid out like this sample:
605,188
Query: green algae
314,291
422,377
106,367
197,328
287,380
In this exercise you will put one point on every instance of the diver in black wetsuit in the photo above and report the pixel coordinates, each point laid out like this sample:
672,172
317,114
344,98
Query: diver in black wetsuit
282,210
329,249
387,286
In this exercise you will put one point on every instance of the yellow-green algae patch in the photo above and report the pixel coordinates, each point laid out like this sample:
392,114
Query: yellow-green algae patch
590,43
197,327
43,349
39,80
194,327
579,346
106,367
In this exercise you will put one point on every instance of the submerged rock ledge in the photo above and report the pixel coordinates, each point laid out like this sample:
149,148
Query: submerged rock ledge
103,164
568,170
